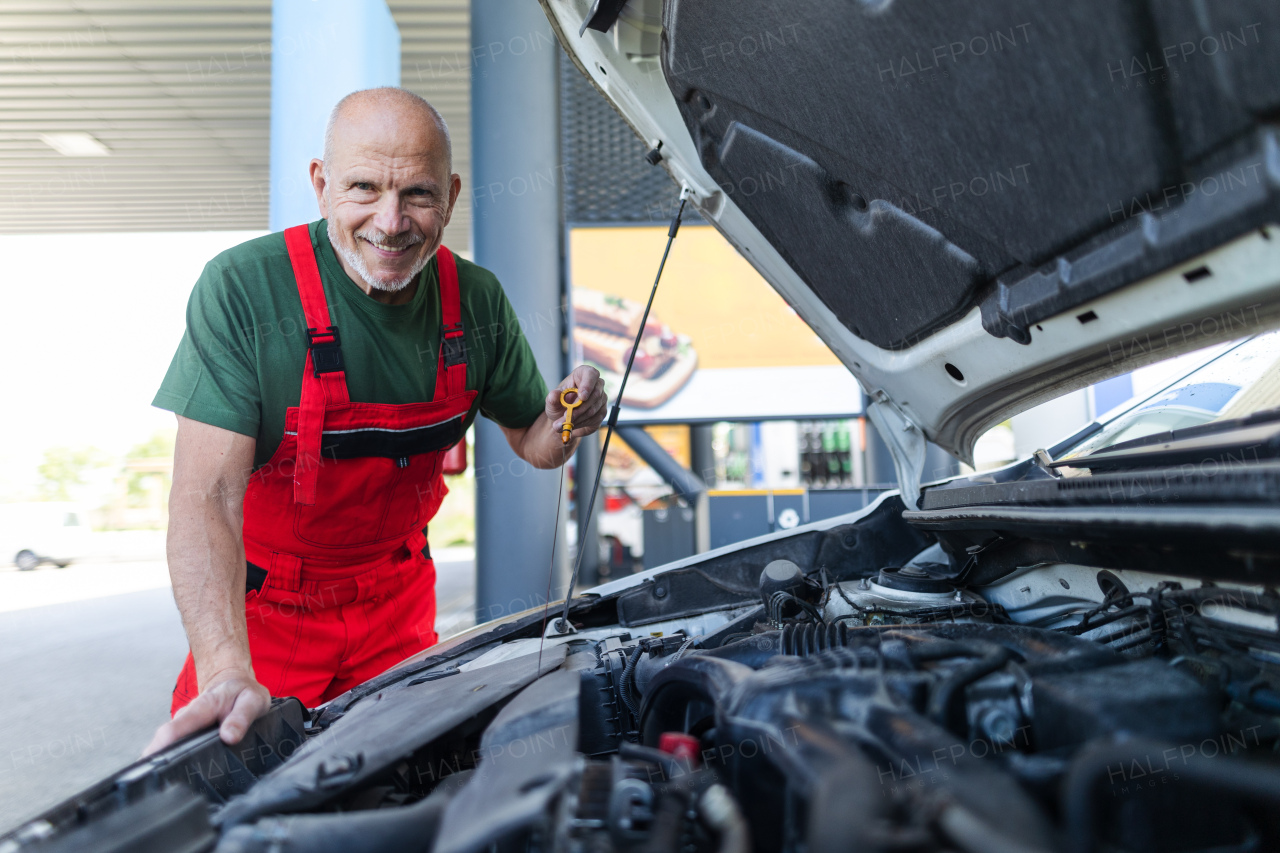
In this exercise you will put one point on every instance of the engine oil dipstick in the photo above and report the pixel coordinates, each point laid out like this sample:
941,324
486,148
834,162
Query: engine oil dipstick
567,430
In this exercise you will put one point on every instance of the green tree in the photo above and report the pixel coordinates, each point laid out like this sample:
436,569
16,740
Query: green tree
149,463
159,446
64,467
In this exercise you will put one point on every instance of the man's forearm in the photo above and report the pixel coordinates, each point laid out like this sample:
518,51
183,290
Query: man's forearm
206,564
211,466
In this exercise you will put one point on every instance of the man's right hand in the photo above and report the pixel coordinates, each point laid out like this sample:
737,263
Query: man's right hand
234,700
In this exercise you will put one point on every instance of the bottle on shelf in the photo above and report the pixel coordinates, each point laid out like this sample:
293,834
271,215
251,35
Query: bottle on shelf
843,449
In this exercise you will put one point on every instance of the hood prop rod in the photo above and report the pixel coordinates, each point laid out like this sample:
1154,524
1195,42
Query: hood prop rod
562,625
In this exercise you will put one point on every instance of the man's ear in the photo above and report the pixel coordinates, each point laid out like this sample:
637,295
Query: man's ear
455,187
318,184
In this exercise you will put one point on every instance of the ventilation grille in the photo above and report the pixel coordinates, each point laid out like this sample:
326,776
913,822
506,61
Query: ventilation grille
606,178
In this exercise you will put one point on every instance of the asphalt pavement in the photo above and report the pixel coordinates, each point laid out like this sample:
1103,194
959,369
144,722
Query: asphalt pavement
85,685
87,674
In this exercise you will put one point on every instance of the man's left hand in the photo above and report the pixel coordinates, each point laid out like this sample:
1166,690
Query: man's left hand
587,417
540,444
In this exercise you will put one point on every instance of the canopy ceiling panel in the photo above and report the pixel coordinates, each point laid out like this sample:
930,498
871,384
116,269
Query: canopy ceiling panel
163,110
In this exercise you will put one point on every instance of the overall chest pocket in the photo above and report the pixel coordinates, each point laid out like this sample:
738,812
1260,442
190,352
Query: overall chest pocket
352,498
415,496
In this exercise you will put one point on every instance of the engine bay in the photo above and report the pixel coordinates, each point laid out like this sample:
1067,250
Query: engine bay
863,686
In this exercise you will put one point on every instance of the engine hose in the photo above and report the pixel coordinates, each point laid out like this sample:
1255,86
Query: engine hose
853,657
1258,697
807,639
944,695
628,679
972,833
754,651
781,598
407,828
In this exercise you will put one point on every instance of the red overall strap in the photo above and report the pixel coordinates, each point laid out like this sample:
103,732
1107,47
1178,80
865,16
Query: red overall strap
451,374
328,388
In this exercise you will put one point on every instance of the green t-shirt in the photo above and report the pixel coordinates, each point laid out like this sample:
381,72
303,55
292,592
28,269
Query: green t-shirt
240,363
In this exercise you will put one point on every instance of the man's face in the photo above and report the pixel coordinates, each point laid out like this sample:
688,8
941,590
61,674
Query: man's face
387,194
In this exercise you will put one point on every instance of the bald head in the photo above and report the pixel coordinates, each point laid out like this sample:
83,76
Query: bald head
390,108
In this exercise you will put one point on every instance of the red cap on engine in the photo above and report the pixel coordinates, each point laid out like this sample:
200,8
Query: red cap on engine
680,746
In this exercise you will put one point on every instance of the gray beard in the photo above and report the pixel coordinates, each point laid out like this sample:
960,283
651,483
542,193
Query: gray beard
356,262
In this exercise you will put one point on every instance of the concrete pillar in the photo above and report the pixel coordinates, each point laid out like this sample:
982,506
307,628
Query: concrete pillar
517,234
702,456
321,50
587,460
702,459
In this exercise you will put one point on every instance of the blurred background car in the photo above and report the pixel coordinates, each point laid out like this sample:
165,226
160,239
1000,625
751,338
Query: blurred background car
42,533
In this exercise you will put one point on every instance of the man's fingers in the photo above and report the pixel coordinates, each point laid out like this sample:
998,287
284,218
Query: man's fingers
591,392
235,703
587,417
590,418
592,384
247,708
159,740
587,382
596,408
586,379
200,714
590,422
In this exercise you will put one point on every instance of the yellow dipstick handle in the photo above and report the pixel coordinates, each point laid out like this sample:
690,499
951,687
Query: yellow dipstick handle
567,429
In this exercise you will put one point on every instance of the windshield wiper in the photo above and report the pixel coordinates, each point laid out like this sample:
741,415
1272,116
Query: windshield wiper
1237,441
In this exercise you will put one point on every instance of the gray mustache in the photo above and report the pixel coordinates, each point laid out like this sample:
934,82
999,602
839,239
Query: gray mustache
386,240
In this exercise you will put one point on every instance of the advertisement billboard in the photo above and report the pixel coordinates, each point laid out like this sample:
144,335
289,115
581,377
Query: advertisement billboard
720,344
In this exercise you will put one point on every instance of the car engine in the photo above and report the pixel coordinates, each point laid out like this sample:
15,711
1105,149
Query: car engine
865,686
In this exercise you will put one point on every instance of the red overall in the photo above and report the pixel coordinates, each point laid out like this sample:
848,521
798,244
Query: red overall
336,517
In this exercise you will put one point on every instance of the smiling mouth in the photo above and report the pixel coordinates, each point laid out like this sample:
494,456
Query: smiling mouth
388,249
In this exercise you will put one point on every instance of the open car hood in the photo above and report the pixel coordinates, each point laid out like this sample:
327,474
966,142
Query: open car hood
978,207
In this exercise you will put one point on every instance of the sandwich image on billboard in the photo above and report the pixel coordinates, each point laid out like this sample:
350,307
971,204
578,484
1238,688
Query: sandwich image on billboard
605,326
719,344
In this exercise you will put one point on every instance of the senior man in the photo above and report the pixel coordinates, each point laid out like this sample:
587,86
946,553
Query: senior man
323,374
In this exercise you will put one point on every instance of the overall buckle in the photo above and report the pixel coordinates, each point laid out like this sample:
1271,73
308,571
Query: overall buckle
455,345
326,350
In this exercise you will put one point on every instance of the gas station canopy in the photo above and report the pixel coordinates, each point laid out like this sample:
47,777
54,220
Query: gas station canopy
154,115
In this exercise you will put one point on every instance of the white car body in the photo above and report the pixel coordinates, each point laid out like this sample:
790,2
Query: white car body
54,531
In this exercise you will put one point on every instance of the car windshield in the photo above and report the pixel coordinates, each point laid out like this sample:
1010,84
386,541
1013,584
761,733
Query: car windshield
1242,380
